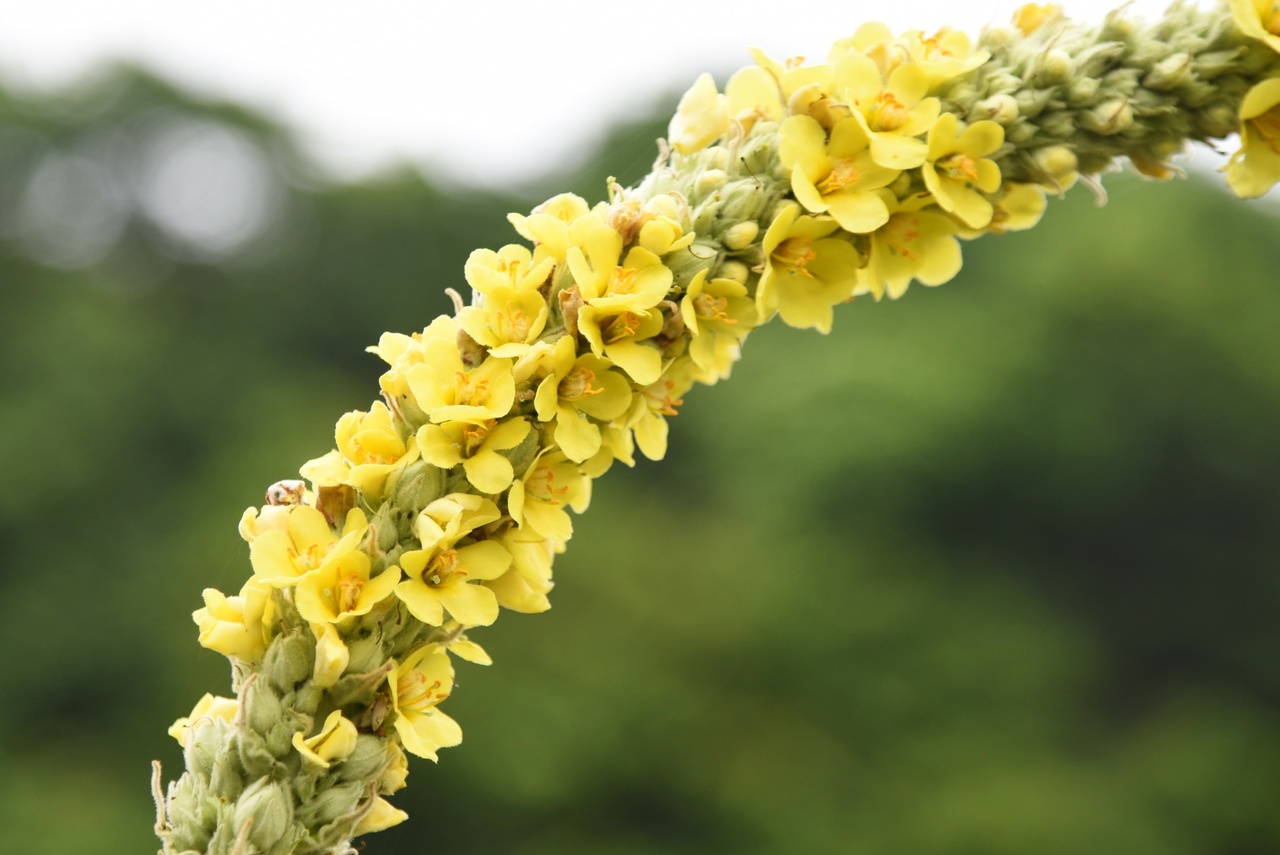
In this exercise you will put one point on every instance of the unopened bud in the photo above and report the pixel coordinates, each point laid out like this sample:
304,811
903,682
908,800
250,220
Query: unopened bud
419,485
1052,67
1061,124
470,351
735,270
368,759
998,37
1109,118
288,661
1058,163
1213,63
1002,109
740,235
709,181
570,304
269,810
1082,91
1168,72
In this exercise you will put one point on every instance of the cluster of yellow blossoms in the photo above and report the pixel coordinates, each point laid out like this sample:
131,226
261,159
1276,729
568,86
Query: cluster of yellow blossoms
798,188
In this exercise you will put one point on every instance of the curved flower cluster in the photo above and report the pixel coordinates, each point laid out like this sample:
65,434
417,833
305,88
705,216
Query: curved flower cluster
797,188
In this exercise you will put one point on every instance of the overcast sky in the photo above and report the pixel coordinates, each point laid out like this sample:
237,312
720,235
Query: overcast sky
487,91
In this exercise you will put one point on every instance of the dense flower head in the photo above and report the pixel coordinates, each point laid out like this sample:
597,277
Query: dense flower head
796,189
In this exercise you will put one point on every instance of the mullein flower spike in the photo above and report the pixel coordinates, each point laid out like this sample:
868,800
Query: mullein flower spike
800,187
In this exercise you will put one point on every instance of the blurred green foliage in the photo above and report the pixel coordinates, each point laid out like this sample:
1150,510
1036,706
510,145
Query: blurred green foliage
991,570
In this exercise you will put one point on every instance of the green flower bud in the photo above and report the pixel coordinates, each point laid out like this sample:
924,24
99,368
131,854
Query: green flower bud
367,760
1213,63
735,270
341,801
1109,118
1052,67
418,486
1002,109
1061,124
1218,120
1169,73
289,660
269,809
740,235
1082,91
192,815
709,181
204,742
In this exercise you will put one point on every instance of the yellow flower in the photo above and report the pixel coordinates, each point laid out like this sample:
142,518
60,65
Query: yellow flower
619,296
511,268
282,558
576,388
945,55
792,76
402,352
754,96
894,113
806,271
957,168
209,706
713,312
369,449
1032,16
538,499
381,816
1018,207
1258,19
332,655
1255,168
440,576
701,118
616,443
447,390
333,744
915,243
524,587
417,685
836,176
548,225
393,778
507,321
457,643
476,447
654,403
343,589
238,626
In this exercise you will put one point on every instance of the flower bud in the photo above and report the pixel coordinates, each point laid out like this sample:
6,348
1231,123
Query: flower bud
269,809
332,655
740,235
1052,67
192,815
419,485
382,815
1060,124
1168,73
339,802
1082,91
709,181
1109,118
289,660
1213,63
397,772
1002,109
735,270
1058,164
368,759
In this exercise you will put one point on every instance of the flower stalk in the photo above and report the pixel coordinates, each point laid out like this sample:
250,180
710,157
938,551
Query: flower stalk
797,188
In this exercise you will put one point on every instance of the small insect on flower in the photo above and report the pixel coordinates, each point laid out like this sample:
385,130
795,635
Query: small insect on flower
285,492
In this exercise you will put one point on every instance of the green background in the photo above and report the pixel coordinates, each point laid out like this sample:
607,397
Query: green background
989,570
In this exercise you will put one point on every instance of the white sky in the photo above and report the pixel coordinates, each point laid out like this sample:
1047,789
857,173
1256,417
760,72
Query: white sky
486,91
